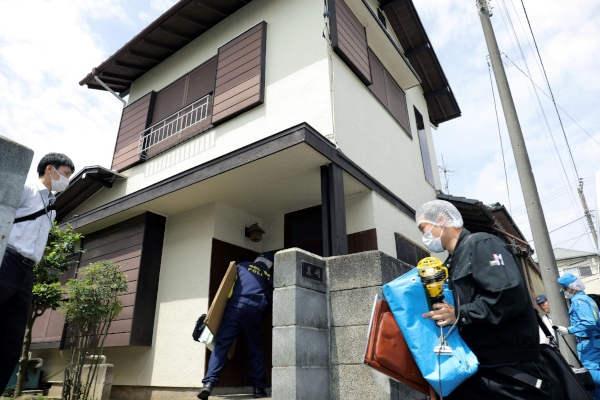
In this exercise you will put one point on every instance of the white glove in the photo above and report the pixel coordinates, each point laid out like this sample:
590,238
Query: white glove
562,330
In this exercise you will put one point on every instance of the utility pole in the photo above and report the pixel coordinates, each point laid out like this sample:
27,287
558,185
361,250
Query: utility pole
539,229
587,213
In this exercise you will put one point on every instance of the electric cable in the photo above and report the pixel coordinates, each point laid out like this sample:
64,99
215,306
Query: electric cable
512,29
554,230
500,136
548,96
550,89
568,240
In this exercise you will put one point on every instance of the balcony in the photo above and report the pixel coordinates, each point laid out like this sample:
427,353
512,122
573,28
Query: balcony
175,128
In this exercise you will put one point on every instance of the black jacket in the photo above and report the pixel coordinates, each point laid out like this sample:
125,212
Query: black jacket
495,314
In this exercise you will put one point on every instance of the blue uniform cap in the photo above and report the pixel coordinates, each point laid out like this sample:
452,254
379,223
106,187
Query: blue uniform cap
567,279
541,298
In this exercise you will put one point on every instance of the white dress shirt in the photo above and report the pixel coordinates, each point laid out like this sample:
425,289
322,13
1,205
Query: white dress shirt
29,237
547,319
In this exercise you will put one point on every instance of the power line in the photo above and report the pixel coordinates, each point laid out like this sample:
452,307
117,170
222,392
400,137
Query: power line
566,175
554,230
576,237
512,28
548,96
500,136
550,89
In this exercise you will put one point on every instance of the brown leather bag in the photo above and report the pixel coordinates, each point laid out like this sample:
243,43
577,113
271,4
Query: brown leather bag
387,351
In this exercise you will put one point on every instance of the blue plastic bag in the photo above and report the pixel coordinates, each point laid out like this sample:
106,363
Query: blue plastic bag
407,300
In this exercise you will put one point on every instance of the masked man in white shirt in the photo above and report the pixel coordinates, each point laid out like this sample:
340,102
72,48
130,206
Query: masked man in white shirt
25,247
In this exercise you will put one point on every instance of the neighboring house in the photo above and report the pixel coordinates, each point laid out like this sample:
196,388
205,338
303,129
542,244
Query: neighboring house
496,219
242,112
582,264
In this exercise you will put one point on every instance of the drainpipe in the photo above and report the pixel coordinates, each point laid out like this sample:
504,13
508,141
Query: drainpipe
105,86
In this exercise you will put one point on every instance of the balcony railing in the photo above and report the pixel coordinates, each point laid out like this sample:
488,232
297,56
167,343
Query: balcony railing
173,125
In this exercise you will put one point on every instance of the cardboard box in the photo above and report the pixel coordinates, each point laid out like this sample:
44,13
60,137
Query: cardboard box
214,316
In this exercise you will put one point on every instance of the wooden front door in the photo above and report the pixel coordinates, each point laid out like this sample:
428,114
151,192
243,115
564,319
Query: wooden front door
235,372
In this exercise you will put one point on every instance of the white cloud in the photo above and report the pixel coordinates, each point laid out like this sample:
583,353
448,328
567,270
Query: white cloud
43,106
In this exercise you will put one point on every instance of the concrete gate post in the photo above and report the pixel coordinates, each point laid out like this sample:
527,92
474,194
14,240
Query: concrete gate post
300,328
15,160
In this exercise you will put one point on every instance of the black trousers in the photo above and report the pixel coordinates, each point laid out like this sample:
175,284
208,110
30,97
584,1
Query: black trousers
16,283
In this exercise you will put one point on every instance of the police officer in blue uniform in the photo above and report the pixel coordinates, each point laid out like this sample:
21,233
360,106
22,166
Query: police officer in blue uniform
583,314
249,302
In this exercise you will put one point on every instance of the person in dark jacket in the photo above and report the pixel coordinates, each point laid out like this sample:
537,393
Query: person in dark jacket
495,316
249,301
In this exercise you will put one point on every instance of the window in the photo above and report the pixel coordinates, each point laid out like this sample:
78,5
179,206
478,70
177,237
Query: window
381,17
425,154
181,110
581,272
585,271
387,91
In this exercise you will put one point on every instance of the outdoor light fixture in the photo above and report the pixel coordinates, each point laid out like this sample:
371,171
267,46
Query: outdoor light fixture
254,232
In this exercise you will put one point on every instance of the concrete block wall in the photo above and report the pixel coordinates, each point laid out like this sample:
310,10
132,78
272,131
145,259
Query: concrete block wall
354,280
300,329
320,327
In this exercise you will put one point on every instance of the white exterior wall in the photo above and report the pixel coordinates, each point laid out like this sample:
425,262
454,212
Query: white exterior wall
359,212
296,89
174,359
368,134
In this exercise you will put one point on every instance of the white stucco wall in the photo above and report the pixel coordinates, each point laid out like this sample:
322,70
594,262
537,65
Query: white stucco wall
174,359
296,89
368,134
359,212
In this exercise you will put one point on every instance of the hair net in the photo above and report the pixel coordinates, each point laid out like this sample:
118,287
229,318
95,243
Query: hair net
577,285
439,212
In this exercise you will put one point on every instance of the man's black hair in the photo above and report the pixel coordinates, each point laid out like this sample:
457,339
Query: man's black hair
56,160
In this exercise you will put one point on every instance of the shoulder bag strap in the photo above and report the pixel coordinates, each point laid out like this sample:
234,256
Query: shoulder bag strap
35,215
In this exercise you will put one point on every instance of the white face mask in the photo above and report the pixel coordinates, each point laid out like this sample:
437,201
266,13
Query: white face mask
569,295
60,184
434,244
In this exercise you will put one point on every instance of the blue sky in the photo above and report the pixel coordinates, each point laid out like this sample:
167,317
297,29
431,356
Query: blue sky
44,56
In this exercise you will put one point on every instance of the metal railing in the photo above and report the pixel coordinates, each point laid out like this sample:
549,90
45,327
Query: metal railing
173,125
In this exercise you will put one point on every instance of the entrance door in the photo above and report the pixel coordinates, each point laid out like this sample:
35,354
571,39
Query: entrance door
235,372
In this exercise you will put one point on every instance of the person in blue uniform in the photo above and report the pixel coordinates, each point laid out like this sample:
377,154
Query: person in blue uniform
583,314
249,302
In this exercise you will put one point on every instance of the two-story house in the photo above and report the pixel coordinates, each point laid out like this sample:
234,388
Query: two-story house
312,121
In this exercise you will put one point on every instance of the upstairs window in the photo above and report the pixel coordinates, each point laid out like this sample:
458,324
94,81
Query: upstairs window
181,110
425,155
387,91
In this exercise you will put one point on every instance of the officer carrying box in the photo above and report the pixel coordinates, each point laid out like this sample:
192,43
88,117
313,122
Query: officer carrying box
250,300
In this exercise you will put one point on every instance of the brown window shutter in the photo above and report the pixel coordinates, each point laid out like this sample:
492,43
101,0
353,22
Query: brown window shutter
202,81
397,102
169,100
349,39
378,76
135,118
240,79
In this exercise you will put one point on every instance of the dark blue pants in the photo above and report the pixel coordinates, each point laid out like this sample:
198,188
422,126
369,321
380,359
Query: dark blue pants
246,319
16,282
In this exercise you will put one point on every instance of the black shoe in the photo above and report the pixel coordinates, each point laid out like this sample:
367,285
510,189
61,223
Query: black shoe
259,393
205,392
